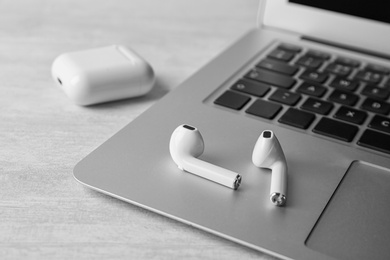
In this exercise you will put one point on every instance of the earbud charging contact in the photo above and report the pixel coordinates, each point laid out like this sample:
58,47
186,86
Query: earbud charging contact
278,199
186,145
237,182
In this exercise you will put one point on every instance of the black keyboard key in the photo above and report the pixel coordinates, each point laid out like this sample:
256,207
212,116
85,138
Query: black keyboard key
309,62
338,69
285,97
297,118
375,140
312,89
264,109
315,76
290,47
281,55
369,76
375,92
387,84
232,100
272,78
335,129
318,54
343,97
351,115
376,106
317,106
277,66
377,69
347,61
251,87
380,123
344,84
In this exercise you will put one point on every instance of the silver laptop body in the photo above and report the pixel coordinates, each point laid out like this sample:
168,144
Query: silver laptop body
338,202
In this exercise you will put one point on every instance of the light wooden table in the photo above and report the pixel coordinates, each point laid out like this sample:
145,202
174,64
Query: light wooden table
44,212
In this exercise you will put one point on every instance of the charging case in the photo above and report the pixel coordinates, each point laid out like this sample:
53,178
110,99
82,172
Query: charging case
103,74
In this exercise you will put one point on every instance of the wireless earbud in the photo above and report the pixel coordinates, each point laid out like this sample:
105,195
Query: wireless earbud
186,145
269,154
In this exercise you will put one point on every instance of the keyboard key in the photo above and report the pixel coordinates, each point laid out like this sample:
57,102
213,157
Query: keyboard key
315,76
380,123
351,115
232,100
312,89
264,109
375,92
343,97
376,106
344,84
309,62
377,69
281,55
318,54
375,140
297,118
277,66
272,78
290,47
369,76
336,129
317,106
251,87
338,69
347,61
285,97
387,84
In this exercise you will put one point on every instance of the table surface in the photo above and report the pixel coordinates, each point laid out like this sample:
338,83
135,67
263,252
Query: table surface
44,212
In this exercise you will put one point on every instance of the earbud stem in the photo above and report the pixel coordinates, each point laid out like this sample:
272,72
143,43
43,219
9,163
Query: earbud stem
211,172
278,189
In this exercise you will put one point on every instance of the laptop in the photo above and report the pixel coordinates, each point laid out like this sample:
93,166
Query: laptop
317,74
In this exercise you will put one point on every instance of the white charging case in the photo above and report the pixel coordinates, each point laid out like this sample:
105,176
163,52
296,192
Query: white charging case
103,74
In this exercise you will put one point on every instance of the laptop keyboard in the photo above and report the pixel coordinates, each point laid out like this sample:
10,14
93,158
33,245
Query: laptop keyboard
296,86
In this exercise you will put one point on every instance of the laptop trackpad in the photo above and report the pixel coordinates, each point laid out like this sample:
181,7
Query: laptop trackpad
356,222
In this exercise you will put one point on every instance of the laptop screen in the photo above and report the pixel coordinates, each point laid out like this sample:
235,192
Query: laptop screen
377,10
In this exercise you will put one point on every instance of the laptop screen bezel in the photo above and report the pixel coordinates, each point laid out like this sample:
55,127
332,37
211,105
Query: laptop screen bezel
326,25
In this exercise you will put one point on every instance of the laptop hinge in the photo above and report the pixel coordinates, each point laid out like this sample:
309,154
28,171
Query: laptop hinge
347,47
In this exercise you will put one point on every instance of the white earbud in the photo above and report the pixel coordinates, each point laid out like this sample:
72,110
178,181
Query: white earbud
186,145
269,154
